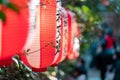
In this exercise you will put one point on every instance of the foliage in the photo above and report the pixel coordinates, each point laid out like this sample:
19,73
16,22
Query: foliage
7,5
2,16
86,13
89,13
19,71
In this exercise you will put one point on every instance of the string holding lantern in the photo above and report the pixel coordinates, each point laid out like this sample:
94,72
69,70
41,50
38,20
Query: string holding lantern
13,33
45,44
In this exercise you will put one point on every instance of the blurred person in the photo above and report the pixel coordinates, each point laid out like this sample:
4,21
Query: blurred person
110,47
79,72
105,58
116,67
93,50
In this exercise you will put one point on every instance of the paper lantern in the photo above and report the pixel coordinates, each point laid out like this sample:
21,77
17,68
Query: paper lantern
73,43
75,50
59,25
43,46
64,37
13,34
69,32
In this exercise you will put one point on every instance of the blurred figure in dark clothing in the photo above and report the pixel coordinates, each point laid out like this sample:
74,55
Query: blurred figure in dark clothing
116,67
79,72
102,65
105,58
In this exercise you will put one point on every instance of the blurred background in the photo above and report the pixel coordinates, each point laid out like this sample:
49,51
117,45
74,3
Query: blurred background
99,19
99,59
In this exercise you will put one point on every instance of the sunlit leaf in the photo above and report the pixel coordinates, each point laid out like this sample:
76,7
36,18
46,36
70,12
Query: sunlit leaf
78,10
85,9
91,19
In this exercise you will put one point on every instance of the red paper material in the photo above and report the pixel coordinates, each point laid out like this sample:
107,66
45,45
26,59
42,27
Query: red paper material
42,48
13,34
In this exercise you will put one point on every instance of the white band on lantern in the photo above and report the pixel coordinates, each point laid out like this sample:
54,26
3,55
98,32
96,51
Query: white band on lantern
33,40
65,33
35,46
32,21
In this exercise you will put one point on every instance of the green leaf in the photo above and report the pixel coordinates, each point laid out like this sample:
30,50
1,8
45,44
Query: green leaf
91,19
85,9
1,2
78,9
2,16
13,7
70,7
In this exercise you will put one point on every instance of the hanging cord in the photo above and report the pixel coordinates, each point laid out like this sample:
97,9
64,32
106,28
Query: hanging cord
27,52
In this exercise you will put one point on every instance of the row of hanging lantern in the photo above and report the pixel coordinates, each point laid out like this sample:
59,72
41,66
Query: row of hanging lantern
43,34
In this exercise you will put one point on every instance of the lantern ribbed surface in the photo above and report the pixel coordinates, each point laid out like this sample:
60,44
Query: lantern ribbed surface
13,33
44,46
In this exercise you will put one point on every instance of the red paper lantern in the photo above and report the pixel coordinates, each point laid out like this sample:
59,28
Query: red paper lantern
13,34
59,24
64,37
46,39
69,32
73,43
75,50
